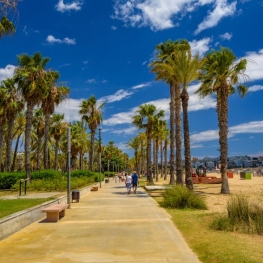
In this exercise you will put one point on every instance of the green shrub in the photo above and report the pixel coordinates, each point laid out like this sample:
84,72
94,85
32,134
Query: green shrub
181,197
109,174
242,215
80,173
7,179
98,177
45,174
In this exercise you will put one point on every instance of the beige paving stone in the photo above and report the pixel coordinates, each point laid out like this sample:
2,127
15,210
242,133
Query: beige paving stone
105,226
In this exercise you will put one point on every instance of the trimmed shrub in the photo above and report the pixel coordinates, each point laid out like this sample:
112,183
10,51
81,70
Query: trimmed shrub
45,174
98,177
8,179
81,173
181,197
110,174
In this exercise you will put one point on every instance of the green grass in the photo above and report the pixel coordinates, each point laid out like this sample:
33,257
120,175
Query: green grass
8,207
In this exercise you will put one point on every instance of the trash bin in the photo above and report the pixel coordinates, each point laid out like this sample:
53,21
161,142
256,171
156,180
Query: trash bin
75,195
106,180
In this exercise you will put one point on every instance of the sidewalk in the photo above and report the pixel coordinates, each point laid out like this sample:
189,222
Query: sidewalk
105,226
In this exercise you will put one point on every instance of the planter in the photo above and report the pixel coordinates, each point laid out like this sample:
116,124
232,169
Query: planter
245,175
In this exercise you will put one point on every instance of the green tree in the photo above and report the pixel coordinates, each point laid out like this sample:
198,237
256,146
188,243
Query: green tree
220,72
32,80
146,117
92,115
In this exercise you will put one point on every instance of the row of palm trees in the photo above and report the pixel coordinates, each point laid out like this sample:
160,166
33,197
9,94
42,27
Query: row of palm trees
219,74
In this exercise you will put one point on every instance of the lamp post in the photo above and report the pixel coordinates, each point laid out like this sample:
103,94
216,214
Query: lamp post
100,155
69,153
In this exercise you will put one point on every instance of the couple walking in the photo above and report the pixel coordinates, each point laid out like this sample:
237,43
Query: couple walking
132,182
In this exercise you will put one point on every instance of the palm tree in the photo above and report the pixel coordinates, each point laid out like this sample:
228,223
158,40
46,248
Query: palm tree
19,129
39,125
164,72
146,117
143,142
6,27
32,80
91,113
135,144
3,94
187,69
58,127
166,142
14,104
219,73
54,98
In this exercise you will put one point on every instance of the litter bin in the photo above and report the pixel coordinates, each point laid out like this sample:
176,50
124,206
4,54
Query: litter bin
75,195
106,180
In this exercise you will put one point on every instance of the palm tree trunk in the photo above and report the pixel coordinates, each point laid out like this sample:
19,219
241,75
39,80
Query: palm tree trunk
39,152
178,136
156,157
10,129
149,151
15,153
223,131
172,133
1,142
161,151
154,164
187,151
165,160
136,160
47,124
91,154
81,161
56,155
29,115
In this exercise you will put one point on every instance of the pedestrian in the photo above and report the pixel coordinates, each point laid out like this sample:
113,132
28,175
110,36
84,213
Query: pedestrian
128,182
135,181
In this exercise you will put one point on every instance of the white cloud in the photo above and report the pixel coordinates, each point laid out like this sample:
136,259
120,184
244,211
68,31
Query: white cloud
250,127
90,81
158,14
51,40
113,27
226,36
120,118
119,95
128,131
222,9
7,72
141,85
70,108
143,63
75,5
200,46
255,65
255,88
85,62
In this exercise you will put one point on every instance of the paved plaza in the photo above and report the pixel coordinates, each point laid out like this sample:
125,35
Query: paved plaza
105,226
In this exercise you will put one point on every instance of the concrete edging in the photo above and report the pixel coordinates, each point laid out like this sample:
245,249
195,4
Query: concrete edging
15,222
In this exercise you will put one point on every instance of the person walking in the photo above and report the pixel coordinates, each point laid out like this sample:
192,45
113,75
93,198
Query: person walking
128,182
134,181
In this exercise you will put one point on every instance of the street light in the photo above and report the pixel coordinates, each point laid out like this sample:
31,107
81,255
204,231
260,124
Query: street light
100,154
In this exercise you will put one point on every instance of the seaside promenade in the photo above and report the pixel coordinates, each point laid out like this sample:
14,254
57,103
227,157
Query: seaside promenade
105,226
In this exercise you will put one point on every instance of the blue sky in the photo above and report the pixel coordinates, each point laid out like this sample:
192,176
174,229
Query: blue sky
104,47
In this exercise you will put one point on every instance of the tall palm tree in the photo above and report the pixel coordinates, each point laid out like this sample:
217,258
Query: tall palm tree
146,117
31,77
164,72
54,98
58,127
14,104
187,69
19,129
166,143
143,142
219,73
6,27
91,113
39,125
134,144
3,94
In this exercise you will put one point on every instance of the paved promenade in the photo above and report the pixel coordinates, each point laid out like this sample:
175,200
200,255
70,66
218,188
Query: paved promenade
106,226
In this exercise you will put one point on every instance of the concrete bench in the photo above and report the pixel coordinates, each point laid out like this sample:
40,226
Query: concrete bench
54,212
95,188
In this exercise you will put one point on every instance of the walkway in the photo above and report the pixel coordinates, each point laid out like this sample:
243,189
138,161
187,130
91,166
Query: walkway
105,226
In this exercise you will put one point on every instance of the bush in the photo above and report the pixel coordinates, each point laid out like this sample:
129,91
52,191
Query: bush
109,174
45,174
81,173
242,215
98,177
8,179
181,197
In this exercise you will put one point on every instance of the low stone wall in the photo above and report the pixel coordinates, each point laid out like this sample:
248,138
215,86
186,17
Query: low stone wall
15,222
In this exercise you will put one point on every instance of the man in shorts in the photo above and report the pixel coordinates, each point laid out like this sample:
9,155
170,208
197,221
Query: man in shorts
134,181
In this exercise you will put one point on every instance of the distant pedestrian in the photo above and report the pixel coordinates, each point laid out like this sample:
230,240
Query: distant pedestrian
128,183
134,181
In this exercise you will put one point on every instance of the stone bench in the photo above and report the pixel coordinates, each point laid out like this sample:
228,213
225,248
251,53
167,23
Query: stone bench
54,212
95,188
